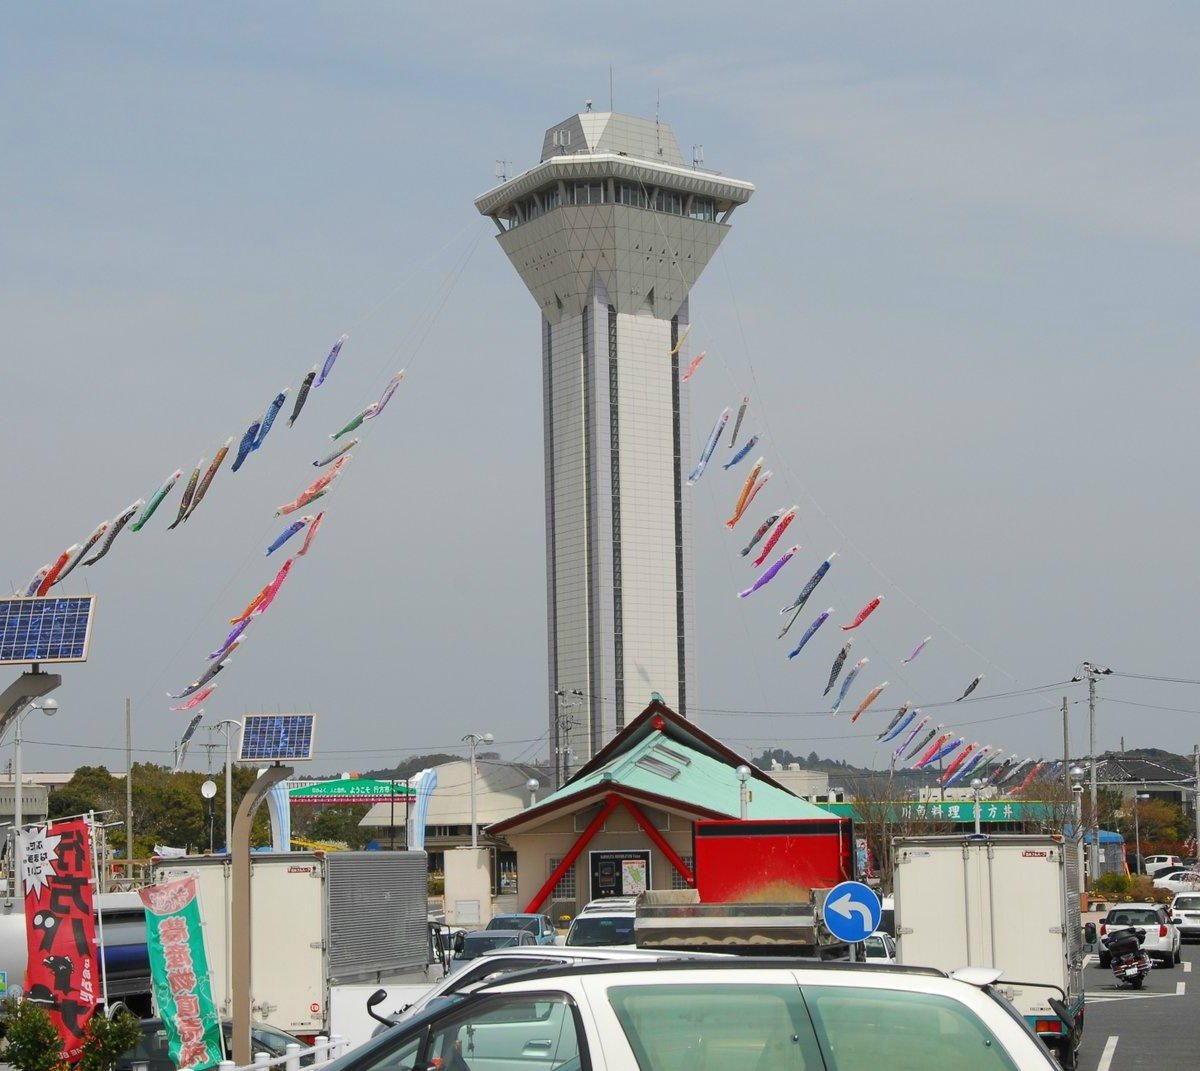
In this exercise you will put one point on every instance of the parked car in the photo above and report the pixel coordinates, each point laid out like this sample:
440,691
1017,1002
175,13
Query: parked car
880,948
152,1052
1185,913
1152,864
1162,941
475,942
540,926
610,903
504,961
767,1013
599,927
1184,881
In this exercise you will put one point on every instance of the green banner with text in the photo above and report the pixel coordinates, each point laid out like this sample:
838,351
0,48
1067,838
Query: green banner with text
180,975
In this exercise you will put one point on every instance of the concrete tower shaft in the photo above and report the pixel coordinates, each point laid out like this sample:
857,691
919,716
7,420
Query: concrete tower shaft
609,232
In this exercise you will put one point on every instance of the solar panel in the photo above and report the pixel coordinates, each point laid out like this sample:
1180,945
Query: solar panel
276,738
45,630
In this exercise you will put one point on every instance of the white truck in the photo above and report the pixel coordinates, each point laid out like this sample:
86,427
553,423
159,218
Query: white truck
1008,902
319,921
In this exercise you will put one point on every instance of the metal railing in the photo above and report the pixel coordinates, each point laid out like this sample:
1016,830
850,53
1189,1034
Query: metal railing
324,1051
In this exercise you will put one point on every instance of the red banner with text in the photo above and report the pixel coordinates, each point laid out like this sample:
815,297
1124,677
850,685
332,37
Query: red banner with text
63,973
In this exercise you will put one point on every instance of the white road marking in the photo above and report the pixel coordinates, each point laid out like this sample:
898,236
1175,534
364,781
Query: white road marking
1106,1057
1180,988
1187,966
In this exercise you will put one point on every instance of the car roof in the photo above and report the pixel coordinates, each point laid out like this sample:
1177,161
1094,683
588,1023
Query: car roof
489,934
598,954
517,915
1140,906
610,904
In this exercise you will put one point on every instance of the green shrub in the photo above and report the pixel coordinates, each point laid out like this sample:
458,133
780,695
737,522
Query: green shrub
107,1040
1112,884
33,1041
437,885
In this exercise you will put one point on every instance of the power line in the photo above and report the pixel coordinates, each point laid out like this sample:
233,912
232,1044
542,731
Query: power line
1152,677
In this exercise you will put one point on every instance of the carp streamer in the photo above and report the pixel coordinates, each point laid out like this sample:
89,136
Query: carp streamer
895,722
156,501
864,613
202,490
709,447
858,668
868,699
691,368
811,586
386,396
750,444
970,688
327,367
763,529
287,534
770,574
189,492
90,542
915,651
836,669
119,522
785,519
811,631
311,534
302,395
737,424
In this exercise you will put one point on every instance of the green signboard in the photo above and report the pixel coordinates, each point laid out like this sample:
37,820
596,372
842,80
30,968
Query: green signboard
352,790
180,975
990,811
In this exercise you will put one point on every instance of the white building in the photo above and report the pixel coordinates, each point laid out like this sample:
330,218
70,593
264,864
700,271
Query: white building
609,232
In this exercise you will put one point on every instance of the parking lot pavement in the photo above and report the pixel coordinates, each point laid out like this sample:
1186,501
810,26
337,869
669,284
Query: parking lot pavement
1151,1029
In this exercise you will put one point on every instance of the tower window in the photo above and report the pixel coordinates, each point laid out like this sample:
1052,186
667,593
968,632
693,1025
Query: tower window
562,138
587,193
703,208
668,201
632,194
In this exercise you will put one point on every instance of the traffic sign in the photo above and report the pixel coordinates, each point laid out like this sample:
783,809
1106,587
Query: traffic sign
852,911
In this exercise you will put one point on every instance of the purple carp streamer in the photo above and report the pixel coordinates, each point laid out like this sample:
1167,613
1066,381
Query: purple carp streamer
327,367
859,666
750,444
709,447
91,541
811,586
770,574
119,522
207,479
691,368
915,651
269,418
386,396
763,529
329,458
311,534
737,424
864,613
899,717
836,669
785,519
156,501
356,423
912,734
287,534
868,699
189,492
197,699
302,395
246,446
811,631
970,688
36,582
232,640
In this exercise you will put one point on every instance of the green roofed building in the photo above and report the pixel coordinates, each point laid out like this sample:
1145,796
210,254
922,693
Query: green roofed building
624,821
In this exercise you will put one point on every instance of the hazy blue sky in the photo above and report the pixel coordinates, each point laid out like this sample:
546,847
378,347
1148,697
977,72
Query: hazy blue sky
963,298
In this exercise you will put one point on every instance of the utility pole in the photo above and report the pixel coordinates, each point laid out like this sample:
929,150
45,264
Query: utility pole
1196,794
1066,748
128,789
1094,854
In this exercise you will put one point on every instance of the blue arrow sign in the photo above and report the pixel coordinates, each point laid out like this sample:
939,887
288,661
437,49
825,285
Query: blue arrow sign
852,911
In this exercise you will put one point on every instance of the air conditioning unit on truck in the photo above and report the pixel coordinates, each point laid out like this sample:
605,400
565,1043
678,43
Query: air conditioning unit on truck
1005,902
319,922
760,889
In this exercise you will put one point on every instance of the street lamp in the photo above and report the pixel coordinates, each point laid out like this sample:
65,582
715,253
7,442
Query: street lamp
208,789
744,774
226,728
49,707
533,784
1090,673
1077,788
1137,829
977,784
473,740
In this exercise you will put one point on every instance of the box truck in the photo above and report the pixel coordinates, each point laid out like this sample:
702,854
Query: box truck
1006,902
318,920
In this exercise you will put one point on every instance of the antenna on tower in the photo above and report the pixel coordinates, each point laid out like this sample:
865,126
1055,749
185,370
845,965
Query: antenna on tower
610,88
697,156
502,169
657,125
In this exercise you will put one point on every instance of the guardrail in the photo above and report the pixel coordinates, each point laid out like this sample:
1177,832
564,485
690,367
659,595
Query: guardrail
324,1052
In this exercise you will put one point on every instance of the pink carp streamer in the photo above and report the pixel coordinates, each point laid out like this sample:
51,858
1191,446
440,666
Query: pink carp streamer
970,688
59,565
770,574
864,613
1029,778
915,651
739,506
273,588
868,699
315,489
780,528
197,699
691,368
310,535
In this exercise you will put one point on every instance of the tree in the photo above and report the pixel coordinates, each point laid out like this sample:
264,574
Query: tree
107,1040
33,1041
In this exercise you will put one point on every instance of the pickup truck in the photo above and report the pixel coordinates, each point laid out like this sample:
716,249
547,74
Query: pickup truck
679,1016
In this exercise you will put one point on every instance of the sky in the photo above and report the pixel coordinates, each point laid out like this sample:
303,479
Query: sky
962,299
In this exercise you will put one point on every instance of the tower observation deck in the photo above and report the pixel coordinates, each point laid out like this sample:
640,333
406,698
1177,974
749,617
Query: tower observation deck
609,231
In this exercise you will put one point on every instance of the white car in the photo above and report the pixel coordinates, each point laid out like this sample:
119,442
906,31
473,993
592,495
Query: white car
880,948
604,924
1162,941
1185,913
758,1015
1152,864
1186,881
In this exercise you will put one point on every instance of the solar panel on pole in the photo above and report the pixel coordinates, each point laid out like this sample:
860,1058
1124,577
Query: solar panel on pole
276,738
45,630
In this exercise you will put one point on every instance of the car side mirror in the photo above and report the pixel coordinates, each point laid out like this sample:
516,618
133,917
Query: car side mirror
460,942
373,1001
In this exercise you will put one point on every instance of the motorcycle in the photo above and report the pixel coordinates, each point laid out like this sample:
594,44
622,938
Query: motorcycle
1129,963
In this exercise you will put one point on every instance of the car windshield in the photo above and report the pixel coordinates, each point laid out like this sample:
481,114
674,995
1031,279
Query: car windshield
1131,916
476,943
1187,903
590,931
875,948
514,922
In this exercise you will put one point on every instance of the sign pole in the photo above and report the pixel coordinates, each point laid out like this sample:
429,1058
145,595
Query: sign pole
91,821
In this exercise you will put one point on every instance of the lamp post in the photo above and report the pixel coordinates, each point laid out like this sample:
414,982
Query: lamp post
1090,673
533,784
1137,828
208,789
1077,788
473,740
49,707
977,784
744,773
226,728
